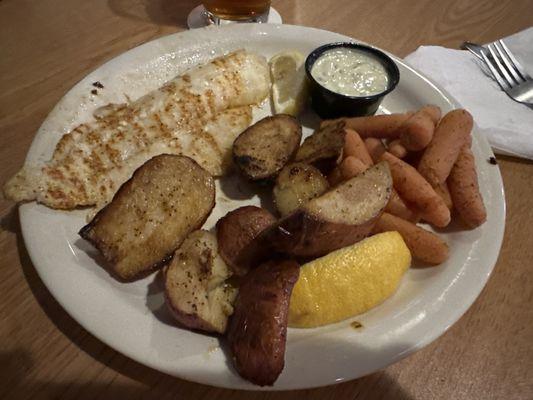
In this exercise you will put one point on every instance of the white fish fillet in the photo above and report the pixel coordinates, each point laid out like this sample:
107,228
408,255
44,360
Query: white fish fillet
197,114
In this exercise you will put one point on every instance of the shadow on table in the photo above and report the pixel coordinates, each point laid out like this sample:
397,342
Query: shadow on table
14,385
67,325
16,364
160,12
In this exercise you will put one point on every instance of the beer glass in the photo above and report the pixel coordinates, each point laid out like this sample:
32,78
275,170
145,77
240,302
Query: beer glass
237,10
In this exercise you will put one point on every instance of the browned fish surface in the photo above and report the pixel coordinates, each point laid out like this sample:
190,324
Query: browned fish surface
196,114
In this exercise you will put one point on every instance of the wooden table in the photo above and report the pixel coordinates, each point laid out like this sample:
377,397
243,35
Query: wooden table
46,46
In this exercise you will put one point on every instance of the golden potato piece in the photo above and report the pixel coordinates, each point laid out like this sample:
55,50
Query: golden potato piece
324,147
196,290
340,217
297,184
151,214
263,149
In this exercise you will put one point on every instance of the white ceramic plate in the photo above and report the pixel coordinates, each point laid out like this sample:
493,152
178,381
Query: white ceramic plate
132,318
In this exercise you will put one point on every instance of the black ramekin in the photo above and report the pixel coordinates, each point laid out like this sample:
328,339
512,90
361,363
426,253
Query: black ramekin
328,104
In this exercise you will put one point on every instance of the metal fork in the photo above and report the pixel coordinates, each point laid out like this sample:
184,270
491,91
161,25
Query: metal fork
508,72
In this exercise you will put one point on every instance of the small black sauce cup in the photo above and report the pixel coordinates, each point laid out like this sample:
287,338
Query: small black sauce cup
328,104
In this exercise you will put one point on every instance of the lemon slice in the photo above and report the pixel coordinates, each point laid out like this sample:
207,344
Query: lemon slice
349,281
289,86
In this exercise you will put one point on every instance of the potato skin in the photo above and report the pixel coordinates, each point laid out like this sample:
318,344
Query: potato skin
340,217
196,292
264,148
297,184
324,147
257,330
302,234
237,230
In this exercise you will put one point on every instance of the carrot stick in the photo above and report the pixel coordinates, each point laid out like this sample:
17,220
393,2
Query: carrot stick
434,113
397,149
442,190
464,190
354,146
379,126
440,155
416,133
375,148
351,166
424,245
396,206
414,189
469,141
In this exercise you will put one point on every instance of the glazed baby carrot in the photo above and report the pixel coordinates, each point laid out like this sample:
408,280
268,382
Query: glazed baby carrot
416,133
464,190
375,148
434,113
415,190
397,149
442,190
396,206
351,166
451,134
354,146
424,245
379,126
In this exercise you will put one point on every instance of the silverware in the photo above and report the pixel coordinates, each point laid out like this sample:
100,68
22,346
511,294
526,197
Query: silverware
508,72
473,48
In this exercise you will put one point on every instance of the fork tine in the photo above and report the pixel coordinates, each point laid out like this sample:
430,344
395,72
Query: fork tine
495,72
517,65
501,68
508,63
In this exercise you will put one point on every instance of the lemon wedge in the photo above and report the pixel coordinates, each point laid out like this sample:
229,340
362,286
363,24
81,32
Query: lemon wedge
349,281
289,85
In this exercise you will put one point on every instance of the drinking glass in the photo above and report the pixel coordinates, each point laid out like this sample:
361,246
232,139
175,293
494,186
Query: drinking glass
223,12
218,11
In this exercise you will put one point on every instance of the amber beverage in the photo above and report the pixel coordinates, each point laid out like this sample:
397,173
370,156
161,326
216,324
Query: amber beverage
237,10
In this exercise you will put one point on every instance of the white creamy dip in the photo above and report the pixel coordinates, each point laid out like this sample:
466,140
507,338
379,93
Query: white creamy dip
350,72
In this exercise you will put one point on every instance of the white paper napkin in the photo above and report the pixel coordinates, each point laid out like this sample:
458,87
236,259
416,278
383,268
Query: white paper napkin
508,125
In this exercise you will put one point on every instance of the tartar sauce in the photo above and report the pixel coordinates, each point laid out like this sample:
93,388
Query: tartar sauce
350,72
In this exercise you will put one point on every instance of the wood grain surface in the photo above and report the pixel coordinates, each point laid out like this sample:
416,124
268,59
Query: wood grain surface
46,46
